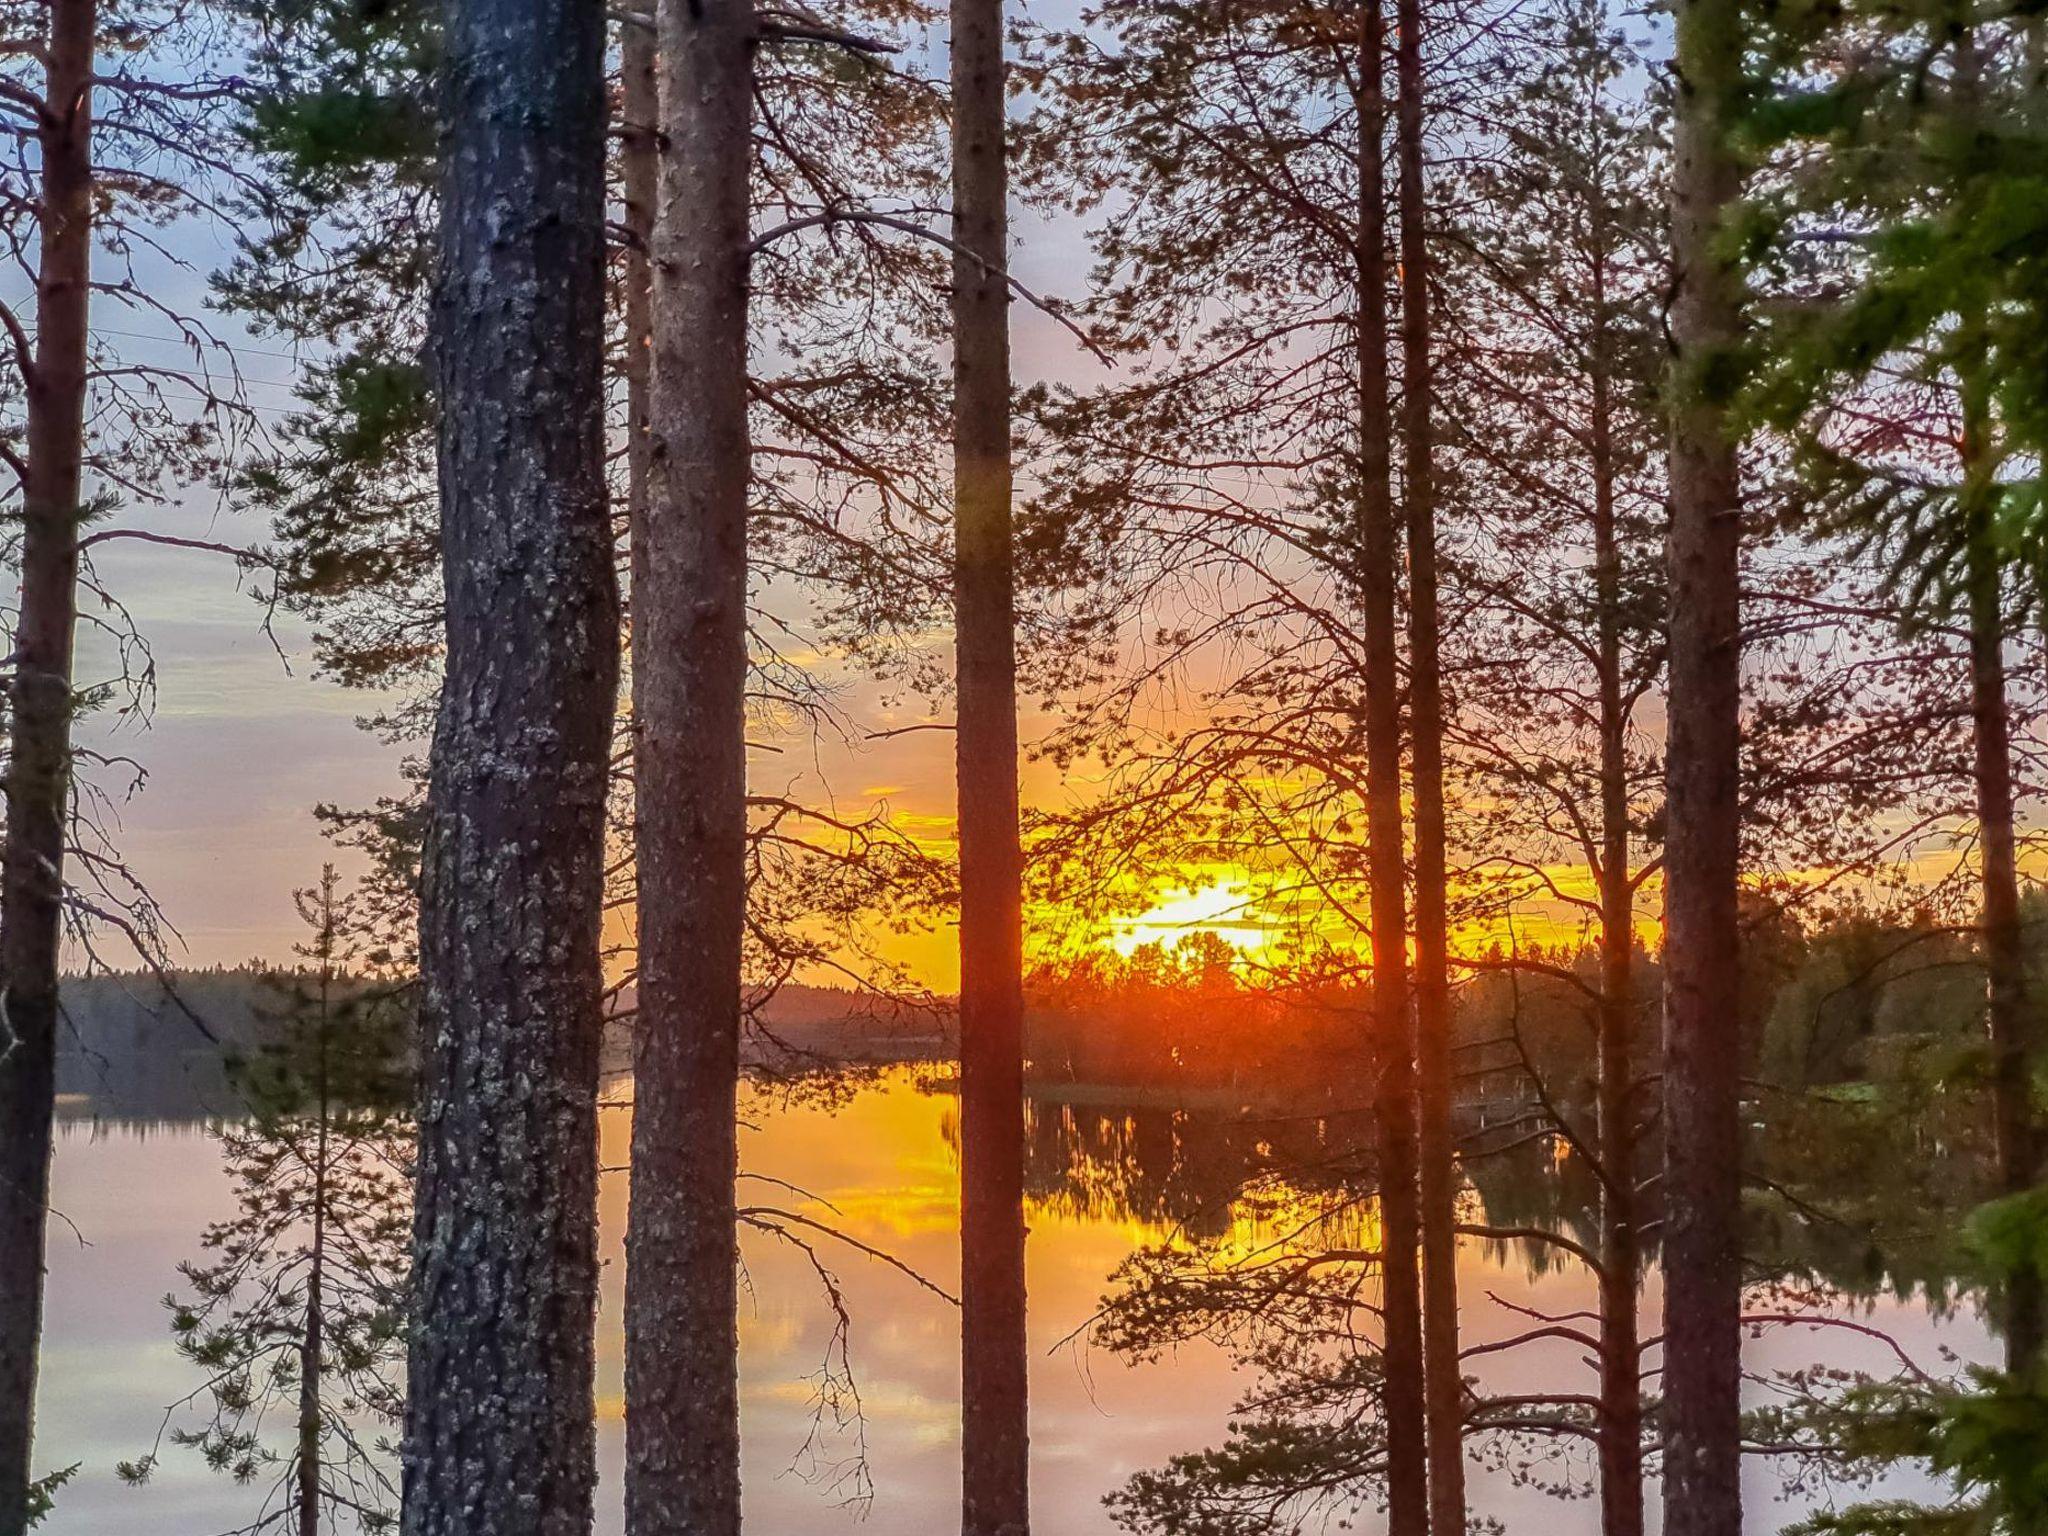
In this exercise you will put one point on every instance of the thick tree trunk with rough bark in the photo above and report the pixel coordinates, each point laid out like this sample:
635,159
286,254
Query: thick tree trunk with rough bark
38,782
499,1432
1444,1383
994,1374
689,706
1378,554
1702,1045
640,175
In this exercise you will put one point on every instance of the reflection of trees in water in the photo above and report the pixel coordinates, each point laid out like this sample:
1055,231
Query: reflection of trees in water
1270,1254
1190,1170
1205,1174
142,1049
294,1315
1861,1198
1867,1192
1863,1201
1537,1185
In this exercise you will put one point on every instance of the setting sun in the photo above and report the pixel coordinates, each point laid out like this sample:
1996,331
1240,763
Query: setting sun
1228,911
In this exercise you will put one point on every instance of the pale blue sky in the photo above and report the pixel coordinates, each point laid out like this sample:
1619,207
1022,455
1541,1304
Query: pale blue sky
243,740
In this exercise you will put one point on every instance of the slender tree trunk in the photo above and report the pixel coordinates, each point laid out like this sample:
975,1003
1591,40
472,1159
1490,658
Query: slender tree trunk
994,1388
499,1432
311,1341
2015,1138
307,1470
1621,1389
1702,1046
1444,1380
1393,1028
690,775
38,782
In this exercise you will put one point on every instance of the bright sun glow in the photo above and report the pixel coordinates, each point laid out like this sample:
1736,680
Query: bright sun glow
1221,909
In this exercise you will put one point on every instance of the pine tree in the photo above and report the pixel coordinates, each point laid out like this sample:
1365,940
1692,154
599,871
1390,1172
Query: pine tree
1548,268
298,1311
500,1418
1702,946
1557,271
1249,473
116,134
690,781
995,1427
1903,244
38,780
1443,1373
843,496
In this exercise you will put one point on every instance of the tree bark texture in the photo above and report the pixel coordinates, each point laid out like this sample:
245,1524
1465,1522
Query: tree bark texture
2015,1140
499,1430
38,781
1620,1352
1443,1379
2015,1134
1702,1053
312,1333
640,175
1378,551
690,778
994,1384
1621,1387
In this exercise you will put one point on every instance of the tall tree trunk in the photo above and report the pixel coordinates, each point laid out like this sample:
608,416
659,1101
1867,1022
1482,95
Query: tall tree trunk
689,697
38,782
499,1432
311,1340
307,1469
1394,1036
2015,1138
2016,1144
1444,1380
1702,1046
640,174
1621,1388
994,1387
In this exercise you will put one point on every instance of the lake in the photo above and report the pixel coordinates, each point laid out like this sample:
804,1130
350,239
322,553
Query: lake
881,1165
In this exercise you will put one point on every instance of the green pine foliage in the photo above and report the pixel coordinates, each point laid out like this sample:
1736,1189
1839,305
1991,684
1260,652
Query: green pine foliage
1985,1434
1899,247
42,1494
337,259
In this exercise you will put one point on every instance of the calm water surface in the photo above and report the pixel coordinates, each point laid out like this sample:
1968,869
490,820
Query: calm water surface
134,1200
